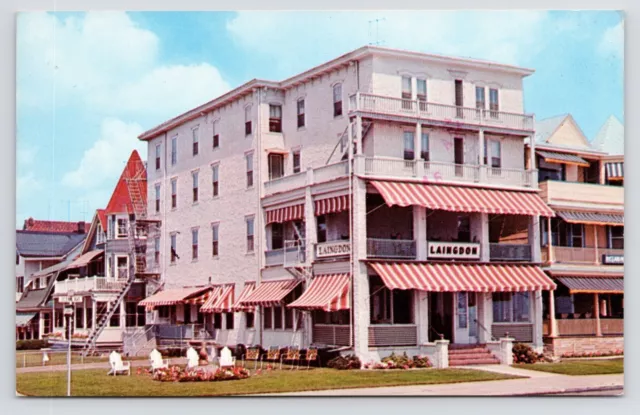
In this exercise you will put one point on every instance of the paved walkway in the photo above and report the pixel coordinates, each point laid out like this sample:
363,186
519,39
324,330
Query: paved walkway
97,365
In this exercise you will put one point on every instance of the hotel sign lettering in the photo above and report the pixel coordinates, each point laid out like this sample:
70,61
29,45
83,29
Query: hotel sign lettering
613,259
453,250
330,249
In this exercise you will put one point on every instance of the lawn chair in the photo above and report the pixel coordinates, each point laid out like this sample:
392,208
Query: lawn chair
274,355
291,354
253,353
311,356
226,360
193,358
117,365
157,362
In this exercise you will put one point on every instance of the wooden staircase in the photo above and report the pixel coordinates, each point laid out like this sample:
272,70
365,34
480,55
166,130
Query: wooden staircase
471,354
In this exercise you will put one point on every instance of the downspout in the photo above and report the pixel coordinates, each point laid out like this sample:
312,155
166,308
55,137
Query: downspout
352,218
258,216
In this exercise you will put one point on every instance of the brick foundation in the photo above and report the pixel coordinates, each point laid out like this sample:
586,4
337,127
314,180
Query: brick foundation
561,345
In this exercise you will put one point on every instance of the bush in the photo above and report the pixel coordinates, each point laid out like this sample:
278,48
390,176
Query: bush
421,361
176,374
523,353
31,344
394,361
174,352
344,362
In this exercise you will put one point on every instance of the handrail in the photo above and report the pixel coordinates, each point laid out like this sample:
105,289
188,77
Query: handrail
437,332
340,140
485,329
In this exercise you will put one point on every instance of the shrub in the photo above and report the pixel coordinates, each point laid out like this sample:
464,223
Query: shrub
175,374
421,361
344,362
523,353
31,344
398,361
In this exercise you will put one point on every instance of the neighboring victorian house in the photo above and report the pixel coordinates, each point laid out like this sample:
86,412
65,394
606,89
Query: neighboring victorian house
583,246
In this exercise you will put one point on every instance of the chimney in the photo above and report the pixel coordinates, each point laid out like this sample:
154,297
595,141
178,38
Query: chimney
81,227
28,223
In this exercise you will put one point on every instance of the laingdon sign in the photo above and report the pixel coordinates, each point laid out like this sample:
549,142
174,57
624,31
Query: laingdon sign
329,249
453,250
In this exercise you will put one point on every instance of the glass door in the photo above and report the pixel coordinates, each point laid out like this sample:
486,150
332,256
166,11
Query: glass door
473,315
462,318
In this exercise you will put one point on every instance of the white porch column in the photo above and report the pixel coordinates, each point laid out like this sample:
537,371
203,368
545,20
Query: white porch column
360,306
596,311
123,316
309,220
40,325
553,324
481,145
358,135
537,321
421,305
84,313
484,238
485,315
417,142
534,238
420,232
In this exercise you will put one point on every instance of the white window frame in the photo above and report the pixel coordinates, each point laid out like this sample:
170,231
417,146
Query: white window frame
301,113
195,186
195,137
158,157
249,162
158,200
173,246
195,244
174,150
214,127
118,268
215,178
247,220
174,192
334,101
215,237
126,227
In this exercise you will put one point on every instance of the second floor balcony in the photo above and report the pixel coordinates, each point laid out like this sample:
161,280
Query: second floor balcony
88,284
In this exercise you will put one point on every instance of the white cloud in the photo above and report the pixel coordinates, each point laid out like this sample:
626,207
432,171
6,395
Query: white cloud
105,160
612,43
27,185
26,154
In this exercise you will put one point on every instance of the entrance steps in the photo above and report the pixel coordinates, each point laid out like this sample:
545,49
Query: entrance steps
471,354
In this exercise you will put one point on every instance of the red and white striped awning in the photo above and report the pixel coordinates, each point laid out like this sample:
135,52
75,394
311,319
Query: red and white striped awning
270,293
176,296
249,286
462,199
332,205
222,302
326,292
462,277
285,214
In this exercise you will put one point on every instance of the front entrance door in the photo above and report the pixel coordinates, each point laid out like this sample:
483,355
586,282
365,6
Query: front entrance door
466,312
441,316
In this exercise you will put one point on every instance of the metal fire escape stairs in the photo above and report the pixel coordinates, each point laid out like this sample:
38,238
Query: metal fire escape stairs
342,146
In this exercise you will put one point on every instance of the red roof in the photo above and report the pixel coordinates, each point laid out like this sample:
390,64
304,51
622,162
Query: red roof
130,194
33,225
102,217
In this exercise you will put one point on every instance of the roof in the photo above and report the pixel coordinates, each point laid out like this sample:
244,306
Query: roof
34,225
102,217
46,244
32,299
319,70
131,184
610,137
546,127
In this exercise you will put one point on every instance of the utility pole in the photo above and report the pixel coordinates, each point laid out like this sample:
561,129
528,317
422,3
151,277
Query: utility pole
377,41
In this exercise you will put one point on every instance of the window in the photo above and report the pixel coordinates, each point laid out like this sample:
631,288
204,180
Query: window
215,229
157,187
277,317
406,92
421,94
19,284
616,237
322,229
156,251
163,312
459,98
276,166
229,320
464,229
134,315
158,152
194,244
217,320
296,161
122,228
493,149
247,120
461,311
267,320
174,193
115,318
110,266
122,263
194,133
215,180
424,147
249,158
480,99
249,234
337,100
174,249
577,235
250,320
493,102
389,307
408,145
174,151
511,307
275,118
277,236
194,178
216,135
300,112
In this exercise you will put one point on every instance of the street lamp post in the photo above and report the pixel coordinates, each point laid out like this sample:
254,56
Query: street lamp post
68,311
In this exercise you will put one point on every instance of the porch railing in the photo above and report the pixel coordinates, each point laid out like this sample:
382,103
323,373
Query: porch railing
284,183
509,252
587,255
181,331
290,255
391,248
586,326
87,284
320,174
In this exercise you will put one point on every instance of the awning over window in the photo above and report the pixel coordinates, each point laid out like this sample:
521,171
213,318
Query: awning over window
270,293
249,287
462,199
577,285
326,292
332,205
285,214
176,296
592,218
23,319
614,170
221,302
553,157
462,277
84,259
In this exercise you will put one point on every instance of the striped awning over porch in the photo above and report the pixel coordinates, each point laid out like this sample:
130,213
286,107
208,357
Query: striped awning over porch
326,292
23,319
285,214
462,277
249,287
462,199
176,296
592,285
332,205
614,170
222,302
553,157
270,293
84,259
591,218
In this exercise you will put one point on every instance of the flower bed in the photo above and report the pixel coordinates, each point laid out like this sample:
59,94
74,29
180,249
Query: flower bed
617,352
394,361
79,336
176,374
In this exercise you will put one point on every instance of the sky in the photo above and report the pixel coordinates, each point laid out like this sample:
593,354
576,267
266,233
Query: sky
89,83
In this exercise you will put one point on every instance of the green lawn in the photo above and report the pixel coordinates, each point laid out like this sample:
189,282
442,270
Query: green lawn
97,383
579,368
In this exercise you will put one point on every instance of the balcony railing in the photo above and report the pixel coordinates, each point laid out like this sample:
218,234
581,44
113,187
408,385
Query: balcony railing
509,252
87,284
434,171
585,326
430,111
291,255
283,183
570,255
318,175
391,248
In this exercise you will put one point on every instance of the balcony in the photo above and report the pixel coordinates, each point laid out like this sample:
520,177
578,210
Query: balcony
509,252
291,255
318,175
434,171
583,195
391,248
88,284
580,256
439,114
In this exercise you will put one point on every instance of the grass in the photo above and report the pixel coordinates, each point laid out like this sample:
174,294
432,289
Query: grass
31,359
97,383
579,368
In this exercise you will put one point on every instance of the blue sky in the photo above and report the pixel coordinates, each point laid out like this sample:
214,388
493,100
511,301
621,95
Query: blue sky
89,83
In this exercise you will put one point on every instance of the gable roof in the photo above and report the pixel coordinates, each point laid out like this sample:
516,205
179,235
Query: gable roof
46,244
102,217
549,130
610,137
546,127
34,225
130,193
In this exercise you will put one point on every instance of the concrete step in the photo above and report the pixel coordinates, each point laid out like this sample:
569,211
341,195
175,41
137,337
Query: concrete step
474,355
468,351
469,362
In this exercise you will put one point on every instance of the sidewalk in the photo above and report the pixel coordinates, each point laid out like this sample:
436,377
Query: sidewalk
97,365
